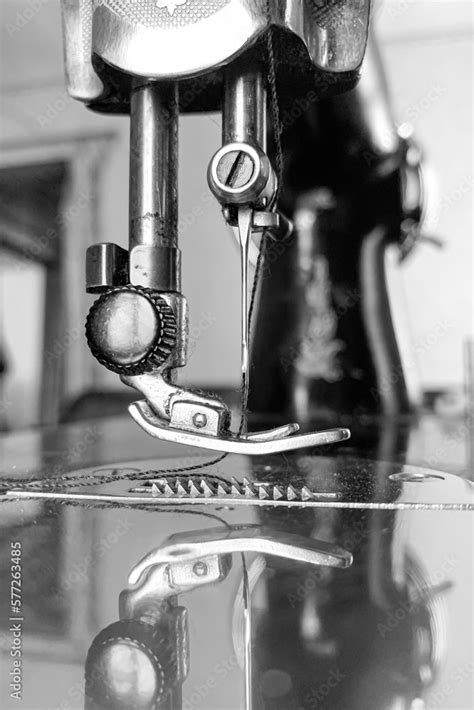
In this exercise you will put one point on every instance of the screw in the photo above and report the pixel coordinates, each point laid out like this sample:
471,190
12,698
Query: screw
235,169
200,569
199,420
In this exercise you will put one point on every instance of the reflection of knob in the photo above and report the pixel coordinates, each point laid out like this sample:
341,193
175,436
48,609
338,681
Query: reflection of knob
131,330
129,667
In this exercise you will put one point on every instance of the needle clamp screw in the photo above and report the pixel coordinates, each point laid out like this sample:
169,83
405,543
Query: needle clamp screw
235,169
241,174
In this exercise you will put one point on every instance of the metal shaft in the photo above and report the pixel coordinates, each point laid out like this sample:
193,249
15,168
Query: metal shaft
245,106
154,164
244,121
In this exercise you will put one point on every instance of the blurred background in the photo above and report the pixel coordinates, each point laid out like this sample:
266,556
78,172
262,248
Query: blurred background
64,185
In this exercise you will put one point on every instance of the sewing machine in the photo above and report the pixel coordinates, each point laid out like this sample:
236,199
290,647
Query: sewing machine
317,183
267,67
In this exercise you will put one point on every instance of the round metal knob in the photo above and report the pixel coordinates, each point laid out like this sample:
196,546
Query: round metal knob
131,330
129,667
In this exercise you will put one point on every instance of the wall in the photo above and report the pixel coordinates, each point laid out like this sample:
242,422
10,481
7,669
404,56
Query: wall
428,50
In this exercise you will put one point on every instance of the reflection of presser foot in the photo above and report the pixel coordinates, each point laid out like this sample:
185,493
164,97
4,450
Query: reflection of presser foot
152,635
261,443
181,554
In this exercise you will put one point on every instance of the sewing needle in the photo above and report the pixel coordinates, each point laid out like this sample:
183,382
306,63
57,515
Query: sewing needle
245,217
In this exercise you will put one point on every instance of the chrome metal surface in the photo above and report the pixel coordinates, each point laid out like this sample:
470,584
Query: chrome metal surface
204,418
247,635
188,561
162,396
179,306
193,546
241,174
156,267
245,105
401,611
275,224
271,434
106,267
179,39
207,489
160,429
131,330
120,35
354,482
165,579
141,500
245,234
126,333
153,168
82,81
172,413
263,220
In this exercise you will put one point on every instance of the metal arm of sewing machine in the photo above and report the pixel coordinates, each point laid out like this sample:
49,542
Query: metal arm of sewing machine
122,59
156,61
138,326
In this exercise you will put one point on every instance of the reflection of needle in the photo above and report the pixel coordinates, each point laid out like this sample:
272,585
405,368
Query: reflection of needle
247,635
245,231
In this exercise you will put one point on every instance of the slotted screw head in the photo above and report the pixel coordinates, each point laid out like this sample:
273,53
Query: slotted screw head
235,169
